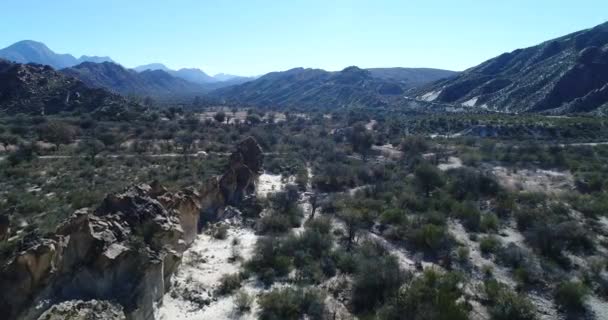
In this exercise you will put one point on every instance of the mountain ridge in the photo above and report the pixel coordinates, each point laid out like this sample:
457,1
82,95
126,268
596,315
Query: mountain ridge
568,74
154,83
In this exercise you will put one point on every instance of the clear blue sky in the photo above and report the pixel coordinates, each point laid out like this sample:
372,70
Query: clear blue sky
251,37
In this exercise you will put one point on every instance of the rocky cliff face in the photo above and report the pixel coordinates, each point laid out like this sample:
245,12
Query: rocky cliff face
125,251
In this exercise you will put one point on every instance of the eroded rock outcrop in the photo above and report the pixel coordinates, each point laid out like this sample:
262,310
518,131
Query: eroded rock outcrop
125,251
84,310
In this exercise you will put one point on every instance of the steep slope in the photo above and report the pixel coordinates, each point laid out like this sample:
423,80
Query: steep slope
564,75
313,88
28,51
411,77
39,90
154,83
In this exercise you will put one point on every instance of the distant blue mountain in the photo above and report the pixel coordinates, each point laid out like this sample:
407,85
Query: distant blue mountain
28,51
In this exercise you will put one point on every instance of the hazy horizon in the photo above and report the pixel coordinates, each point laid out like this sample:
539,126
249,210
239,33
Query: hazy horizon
256,37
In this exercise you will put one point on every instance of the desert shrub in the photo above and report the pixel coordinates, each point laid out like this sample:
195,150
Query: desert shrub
570,295
429,296
489,245
506,304
220,232
462,254
229,283
467,183
428,178
489,222
268,261
522,261
469,215
284,214
291,304
375,281
57,132
243,301
430,237
413,145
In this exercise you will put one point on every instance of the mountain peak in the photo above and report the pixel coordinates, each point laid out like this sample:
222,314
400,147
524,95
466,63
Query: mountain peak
152,66
30,51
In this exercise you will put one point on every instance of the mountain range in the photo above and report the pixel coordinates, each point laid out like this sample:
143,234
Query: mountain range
564,75
313,88
153,83
195,75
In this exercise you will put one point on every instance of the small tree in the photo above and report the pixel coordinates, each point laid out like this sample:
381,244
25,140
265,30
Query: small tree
91,148
354,221
220,116
57,132
570,295
428,178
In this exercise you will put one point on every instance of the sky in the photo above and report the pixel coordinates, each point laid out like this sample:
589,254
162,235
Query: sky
253,37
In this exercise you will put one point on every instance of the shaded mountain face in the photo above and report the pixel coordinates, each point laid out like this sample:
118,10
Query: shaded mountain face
564,75
313,88
411,77
40,90
154,83
28,51
152,66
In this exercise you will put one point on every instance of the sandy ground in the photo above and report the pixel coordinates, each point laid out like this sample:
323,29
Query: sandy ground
269,183
452,163
208,259
470,103
388,151
545,181
199,275
430,96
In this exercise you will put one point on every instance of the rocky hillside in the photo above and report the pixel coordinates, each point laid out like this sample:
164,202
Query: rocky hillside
313,88
40,90
122,254
28,51
411,77
563,75
155,83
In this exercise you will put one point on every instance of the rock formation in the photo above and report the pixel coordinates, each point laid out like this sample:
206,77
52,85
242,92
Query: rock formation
125,251
81,310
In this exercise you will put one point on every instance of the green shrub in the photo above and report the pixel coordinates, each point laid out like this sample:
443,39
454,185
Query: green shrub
220,232
291,304
570,295
430,296
506,304
229,283
489,223
430,237
243,301
489,244
376,280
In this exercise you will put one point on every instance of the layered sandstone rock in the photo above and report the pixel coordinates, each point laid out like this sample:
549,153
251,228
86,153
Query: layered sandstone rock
125,251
